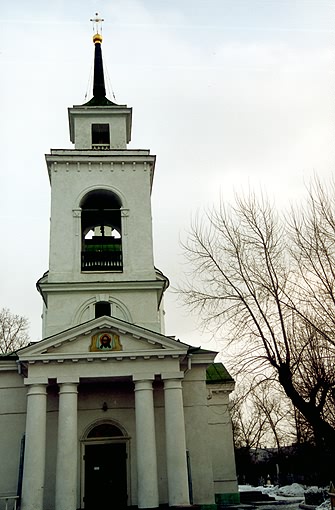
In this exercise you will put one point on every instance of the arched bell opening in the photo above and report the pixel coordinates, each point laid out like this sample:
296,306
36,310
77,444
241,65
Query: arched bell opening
101,232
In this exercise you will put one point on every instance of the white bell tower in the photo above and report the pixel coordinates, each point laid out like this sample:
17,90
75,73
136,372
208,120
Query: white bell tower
101,250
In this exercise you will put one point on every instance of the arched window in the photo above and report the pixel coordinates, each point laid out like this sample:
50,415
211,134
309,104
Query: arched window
102,308
101,232
105,430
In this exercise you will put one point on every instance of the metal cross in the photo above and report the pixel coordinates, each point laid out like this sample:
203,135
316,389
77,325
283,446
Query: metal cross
97,23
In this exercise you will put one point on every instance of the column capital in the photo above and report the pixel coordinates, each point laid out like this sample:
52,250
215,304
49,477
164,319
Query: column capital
69,388
143,385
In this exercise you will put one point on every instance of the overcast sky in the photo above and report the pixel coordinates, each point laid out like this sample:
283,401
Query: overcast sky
229,94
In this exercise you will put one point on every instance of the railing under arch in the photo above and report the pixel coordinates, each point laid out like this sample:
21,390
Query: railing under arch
101,261
102,254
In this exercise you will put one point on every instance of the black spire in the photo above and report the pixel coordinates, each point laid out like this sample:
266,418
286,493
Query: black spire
99,90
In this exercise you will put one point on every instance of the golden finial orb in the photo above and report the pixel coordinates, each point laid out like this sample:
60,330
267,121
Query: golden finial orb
97,38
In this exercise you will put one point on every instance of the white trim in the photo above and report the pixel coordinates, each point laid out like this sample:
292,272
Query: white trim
105,355
102,286
8,365
165,345
98,187
77,318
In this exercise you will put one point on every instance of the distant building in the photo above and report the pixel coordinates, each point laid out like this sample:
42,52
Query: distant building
114,412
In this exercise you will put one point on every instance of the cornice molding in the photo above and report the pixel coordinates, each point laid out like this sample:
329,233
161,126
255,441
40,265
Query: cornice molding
102,357
101,286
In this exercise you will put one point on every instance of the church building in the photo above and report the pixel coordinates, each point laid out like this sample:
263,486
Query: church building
106,411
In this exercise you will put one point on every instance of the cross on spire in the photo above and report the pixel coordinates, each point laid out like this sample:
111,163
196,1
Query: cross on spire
97,24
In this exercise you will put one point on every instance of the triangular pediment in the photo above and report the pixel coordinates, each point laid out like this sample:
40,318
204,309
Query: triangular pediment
101,337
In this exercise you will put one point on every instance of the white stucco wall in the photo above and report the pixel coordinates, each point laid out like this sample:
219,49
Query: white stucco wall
12,427
117,130
196,427
221,439
65,308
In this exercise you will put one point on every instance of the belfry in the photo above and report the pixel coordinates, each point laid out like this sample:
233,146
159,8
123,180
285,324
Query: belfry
106,411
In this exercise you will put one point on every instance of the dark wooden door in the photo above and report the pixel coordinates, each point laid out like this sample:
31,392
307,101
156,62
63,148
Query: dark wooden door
105,476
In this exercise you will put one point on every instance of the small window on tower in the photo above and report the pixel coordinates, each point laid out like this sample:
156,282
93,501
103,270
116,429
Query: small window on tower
100,137
102,308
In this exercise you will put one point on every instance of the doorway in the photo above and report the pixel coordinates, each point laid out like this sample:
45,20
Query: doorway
105,475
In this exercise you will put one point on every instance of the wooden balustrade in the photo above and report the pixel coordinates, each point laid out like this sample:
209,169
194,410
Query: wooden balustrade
101,261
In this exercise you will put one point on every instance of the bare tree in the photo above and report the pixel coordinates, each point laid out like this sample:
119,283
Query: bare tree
266,283
249,426
262,415
13,331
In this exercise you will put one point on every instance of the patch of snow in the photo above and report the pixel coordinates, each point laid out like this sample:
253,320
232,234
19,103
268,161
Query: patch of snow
290,492
313,489
244,488
293,490
324,506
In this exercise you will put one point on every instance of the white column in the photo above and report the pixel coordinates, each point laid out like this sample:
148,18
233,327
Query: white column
34,454
147,480
67,446
175,440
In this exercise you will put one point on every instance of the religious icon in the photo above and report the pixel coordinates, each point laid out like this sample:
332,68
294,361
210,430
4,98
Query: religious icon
105,342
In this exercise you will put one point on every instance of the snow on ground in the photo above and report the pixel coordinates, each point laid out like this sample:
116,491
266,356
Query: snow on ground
324,506
287,493
295,490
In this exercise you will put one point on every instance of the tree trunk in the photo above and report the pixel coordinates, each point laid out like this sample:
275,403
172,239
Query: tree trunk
324,433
